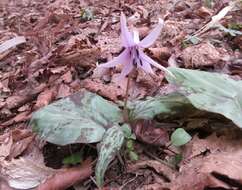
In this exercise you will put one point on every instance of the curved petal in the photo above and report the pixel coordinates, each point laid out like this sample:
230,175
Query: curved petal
145,65
146,58
152,36
126,70
126,37
123,58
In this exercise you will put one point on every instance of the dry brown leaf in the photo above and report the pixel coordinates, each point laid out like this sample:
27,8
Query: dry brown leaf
65,178
67,77
204,12
14,143
156,165
109,91
219,168
64,91
24,173
20,146
4,185
146,131
28,94
154,186
21,117
58,70
161,54
86,58
44,98
204,54
6,142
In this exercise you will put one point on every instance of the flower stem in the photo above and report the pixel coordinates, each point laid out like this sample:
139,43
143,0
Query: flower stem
125,111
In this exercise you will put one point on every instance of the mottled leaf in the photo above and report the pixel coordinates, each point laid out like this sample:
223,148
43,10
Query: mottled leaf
180,137
211,92
128,132
110,145
152,106
80,118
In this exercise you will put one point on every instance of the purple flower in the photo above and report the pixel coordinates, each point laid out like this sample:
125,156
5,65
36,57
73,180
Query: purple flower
133,55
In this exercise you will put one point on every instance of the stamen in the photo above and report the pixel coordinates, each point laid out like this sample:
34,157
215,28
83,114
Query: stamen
134,63
140,62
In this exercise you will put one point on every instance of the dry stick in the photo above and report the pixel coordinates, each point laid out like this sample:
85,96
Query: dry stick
125,111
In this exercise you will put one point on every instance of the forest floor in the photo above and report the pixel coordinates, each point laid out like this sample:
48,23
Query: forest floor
63,42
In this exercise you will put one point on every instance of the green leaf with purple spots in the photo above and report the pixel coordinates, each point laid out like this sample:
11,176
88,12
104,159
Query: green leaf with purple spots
80,118
109,147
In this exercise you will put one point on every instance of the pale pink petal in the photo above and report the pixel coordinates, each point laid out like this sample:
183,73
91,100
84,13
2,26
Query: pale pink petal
146,58
152,36
146,67
126,70
126,37
123,58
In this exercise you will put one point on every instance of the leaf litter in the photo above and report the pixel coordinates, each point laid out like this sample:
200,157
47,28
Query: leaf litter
59,57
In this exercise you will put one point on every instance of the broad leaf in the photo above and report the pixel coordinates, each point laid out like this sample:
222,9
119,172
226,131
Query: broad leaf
212,92
80,118
180,137
110,145
166,105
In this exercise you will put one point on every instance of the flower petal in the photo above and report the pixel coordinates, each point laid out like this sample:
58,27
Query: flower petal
126,70
145,65
126,37
146,58
152,36
123,58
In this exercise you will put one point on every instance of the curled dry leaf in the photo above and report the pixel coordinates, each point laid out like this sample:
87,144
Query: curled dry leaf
12,43
214,162
108,91
21,117
44,98
14,143
156,165
200,55
64,91
146,131
24,174
67,177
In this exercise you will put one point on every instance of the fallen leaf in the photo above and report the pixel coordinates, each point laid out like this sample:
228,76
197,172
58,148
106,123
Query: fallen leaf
64,91
146,131
156,165
67,77
14,143
6,142
108,91
24,174
204,54
219,168
58,70
44,98
161,54
64,178
12,43
24,116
